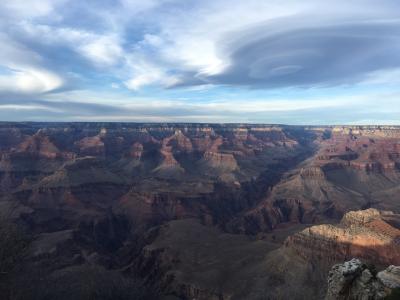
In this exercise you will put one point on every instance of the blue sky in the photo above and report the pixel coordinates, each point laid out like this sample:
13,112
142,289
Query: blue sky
293,62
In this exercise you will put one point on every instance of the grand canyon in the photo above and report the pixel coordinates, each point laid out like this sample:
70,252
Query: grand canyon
199,150
199,211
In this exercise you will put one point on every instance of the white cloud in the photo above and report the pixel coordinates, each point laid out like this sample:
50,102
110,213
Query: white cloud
23,71
16,107
194,35
30,81
28,8
144,73
102,50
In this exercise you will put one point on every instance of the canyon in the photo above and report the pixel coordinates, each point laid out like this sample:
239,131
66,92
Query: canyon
199,211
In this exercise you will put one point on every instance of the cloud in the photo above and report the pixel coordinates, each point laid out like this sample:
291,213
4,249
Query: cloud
266,45
22,71
108,107
29,81
255,44
230,60
103,50
312,56
144,74
28,8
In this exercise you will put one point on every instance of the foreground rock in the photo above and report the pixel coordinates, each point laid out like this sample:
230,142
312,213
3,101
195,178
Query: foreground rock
355,280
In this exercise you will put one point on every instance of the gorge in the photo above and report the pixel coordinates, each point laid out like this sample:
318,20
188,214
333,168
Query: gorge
196,211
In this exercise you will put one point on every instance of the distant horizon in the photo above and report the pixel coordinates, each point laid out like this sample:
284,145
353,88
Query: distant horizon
220,61
198,123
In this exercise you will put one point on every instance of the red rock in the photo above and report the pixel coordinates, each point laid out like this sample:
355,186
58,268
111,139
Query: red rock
92,145
362,234
223,161
39,145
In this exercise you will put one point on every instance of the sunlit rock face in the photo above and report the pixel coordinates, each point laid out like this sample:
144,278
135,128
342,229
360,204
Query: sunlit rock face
362,234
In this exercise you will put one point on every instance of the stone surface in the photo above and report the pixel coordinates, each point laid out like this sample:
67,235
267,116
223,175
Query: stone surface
362,234
390,277
355,280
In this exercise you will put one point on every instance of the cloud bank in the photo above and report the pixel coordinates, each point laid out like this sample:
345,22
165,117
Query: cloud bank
191,56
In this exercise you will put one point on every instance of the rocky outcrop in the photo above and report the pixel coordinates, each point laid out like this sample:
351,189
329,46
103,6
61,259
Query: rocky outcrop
360,149
363,234
361,217
136,151
390,277
214,160
147,209
312,173
221,161
168,165
267,217
39,145
92,145
180,142
355,280
369,131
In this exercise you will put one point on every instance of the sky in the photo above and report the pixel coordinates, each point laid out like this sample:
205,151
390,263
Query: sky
313,62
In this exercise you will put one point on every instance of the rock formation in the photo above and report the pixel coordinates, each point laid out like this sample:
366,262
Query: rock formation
39,145
352,168
136,151
203,210
355,280
221,161
363,234
372,151
168,165
92,145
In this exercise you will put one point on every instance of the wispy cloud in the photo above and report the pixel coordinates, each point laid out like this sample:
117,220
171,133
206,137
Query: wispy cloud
147,55
108,107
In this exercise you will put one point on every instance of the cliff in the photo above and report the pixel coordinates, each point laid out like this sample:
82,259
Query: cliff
363,234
